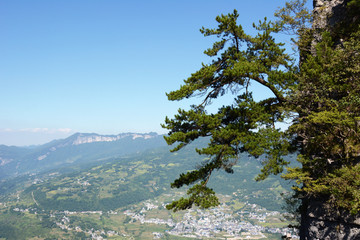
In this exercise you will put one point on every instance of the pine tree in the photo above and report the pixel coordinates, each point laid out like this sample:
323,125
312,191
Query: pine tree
247,125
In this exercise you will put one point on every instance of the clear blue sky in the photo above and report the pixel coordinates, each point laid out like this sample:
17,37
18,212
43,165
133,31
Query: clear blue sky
101,66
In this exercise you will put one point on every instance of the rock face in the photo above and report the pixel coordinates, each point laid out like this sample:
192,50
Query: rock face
82,138
327,14
318,219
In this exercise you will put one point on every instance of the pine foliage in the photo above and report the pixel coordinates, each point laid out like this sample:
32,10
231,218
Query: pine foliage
320,96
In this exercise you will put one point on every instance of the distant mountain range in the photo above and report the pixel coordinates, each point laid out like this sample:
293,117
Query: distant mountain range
70,188
76,149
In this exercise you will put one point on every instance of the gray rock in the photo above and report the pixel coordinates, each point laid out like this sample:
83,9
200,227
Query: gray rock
327,14
320,221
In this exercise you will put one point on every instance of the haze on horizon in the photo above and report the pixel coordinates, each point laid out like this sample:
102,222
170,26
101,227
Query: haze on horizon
102,67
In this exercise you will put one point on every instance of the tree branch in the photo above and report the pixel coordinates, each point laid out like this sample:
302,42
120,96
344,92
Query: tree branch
269,86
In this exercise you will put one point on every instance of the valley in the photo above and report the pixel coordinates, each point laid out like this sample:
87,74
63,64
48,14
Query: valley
125,197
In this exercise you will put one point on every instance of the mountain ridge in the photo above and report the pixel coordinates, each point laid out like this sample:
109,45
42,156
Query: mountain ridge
75,149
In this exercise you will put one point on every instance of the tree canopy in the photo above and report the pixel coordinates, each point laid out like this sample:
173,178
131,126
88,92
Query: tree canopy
319,95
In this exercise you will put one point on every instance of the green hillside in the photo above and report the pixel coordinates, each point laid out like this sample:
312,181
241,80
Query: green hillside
128,180
121,184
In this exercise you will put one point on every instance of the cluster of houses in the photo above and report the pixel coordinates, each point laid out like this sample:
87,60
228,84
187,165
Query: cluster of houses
196,223
213,223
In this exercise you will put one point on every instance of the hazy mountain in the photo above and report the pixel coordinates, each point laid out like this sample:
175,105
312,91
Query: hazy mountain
76,149
39,205
9,157
139,176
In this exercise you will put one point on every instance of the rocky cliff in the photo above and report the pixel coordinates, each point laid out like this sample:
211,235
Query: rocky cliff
321,221
82,138
332,16
318,219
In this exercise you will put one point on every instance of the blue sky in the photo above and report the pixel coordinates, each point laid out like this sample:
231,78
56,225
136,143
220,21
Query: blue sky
101,66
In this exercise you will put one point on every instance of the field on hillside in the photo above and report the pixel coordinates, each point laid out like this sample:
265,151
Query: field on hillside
125,198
